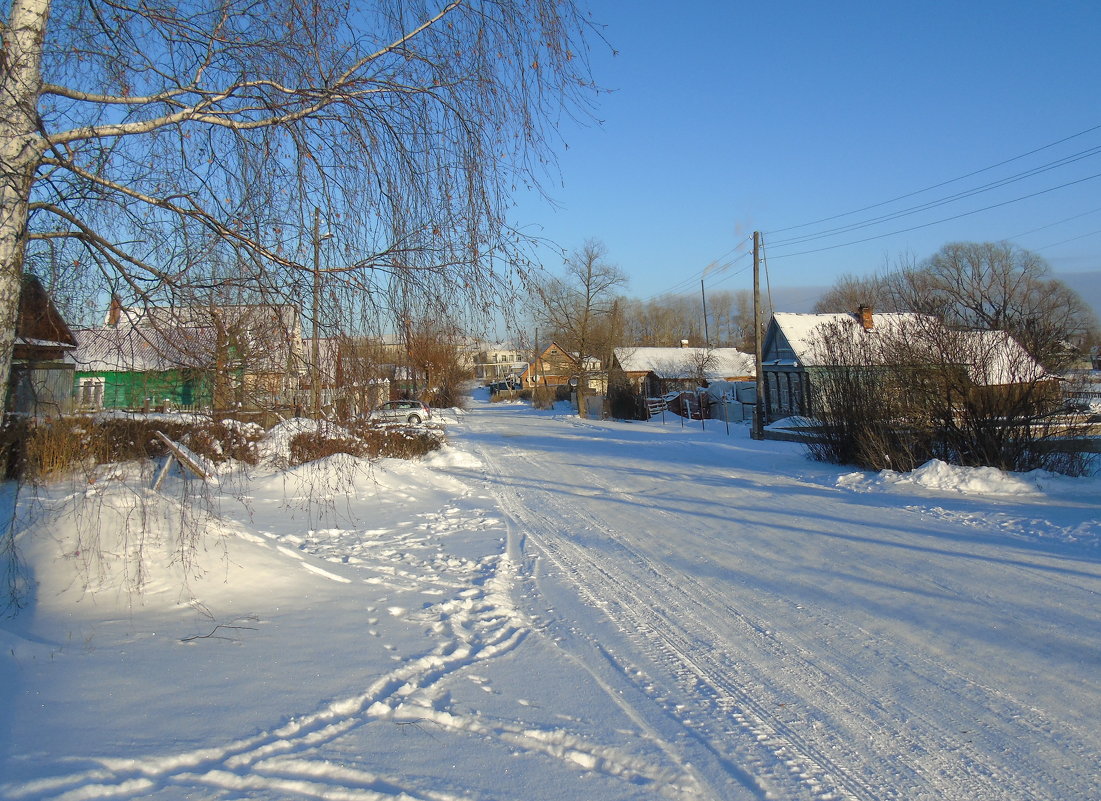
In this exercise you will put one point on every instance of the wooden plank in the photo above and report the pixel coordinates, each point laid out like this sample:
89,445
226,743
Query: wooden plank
183,456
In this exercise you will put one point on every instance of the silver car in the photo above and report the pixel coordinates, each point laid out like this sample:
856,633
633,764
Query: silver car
402,411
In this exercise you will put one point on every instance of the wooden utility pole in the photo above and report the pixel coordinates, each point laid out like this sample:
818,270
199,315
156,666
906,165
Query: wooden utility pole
706,335
757,431
315,347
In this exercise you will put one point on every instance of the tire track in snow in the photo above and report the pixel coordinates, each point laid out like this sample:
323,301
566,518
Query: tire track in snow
635,607
766,767
939,763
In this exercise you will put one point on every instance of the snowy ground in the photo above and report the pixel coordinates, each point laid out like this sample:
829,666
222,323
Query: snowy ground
554,608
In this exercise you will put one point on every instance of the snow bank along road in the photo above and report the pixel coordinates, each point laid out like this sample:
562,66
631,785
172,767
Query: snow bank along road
787,638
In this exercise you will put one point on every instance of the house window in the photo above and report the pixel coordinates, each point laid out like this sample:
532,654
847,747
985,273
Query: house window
90,392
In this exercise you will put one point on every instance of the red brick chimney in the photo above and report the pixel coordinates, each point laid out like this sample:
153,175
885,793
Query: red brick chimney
865,315
114,313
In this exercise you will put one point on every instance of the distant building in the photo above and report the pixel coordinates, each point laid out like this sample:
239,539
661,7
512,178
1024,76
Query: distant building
657,371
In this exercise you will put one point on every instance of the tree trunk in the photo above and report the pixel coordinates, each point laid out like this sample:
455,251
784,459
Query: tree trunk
21,147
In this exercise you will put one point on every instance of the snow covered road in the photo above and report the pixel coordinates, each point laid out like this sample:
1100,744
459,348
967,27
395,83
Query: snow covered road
555,608
797,640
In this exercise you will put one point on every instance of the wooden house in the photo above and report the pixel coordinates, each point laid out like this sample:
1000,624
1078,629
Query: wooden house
658,371
242,356
41,380
143,367
797,347
551,367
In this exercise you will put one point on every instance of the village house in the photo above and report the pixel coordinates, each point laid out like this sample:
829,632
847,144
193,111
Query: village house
554,367
794,350
245,356
498,362
653,372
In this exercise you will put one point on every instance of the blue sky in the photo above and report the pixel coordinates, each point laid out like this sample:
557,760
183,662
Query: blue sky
723,118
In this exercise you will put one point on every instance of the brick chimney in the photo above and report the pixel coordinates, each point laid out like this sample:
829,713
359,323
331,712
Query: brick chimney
865,315
114,313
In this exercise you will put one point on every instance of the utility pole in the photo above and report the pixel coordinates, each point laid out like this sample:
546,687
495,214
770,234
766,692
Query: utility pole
757,431
706,335
315,347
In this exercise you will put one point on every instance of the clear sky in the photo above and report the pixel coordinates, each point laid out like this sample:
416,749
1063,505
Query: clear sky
727,117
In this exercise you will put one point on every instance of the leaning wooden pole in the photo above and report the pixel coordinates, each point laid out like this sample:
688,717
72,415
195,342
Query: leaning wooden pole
757,432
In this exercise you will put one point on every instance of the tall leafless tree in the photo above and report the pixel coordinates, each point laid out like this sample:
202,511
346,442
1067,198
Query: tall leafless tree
139,141
582,309
992,286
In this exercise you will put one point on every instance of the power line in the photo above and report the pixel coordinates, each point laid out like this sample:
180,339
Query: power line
699,274
1058,222
938,185
943,220
1072,239
943,201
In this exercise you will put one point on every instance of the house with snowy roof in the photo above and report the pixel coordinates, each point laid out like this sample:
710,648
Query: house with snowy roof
554,366
658,371
134,367
197,356
798,346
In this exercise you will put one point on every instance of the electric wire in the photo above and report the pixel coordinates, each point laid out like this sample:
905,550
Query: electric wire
1057,222
1072,239
943,201
942,220
700,274
938,185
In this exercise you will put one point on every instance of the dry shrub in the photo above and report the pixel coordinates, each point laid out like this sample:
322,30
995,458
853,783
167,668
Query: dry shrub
400,442
309,447
543,397
223,440
368,441
38,451
510,395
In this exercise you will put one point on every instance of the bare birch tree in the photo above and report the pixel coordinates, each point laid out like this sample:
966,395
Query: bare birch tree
148,143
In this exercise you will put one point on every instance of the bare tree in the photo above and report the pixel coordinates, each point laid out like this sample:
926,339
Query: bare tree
850,292
138,141
582,309
997,286
992,286
435,354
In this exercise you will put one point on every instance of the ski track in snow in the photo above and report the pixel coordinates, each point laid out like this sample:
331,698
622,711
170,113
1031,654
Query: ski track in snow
478,622
747,721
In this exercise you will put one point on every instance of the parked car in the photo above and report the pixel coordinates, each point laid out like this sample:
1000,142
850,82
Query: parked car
402,411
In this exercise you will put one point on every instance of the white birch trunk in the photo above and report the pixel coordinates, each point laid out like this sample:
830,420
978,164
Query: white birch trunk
21,147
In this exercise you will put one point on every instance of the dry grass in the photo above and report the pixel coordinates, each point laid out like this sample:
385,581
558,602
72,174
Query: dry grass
36,451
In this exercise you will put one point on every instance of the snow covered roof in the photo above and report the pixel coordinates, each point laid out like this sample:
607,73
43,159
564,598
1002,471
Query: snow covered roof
991,357
682,362
142,349
997,358
803,331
